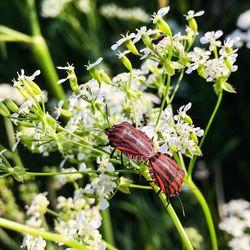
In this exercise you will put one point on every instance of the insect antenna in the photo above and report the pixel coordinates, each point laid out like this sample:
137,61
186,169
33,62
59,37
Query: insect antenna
182,207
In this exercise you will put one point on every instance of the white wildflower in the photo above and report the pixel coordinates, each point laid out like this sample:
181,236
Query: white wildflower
84,6
124,39
93,65
53,8
211,38
104,164
160,13
192,14
130,14
33,243
243,21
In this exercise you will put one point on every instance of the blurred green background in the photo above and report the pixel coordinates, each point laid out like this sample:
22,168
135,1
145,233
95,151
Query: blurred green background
139,219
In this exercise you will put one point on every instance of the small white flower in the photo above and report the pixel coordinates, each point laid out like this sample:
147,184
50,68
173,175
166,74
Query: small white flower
104,164
121,54
143,31
211,37
33,243
68,69
123,40
93,65
39,205
8,91
243,21
192,14
199,57
91,91
160,13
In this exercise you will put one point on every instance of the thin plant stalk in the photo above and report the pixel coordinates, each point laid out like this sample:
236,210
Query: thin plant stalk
171,212
42,54
199,196
40,233
11,138
193,160
107,227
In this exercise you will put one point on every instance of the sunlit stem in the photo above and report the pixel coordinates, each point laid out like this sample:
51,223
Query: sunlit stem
42,54
107,227
206,211
171,212
164,98
193,160
11,138
40,233
176,86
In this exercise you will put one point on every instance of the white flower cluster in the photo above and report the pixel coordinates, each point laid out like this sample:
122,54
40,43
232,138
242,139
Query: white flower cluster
237,223
36,211
175,133
53,8
218,66
130,14
243,31
79,219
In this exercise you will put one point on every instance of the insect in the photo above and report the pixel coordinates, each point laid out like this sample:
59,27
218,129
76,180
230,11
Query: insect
130,141
166,174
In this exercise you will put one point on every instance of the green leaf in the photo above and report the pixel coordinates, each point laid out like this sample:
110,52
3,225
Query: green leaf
228,87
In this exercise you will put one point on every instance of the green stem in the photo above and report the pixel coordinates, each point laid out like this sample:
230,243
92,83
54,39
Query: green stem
176,222
140,186
77,172
171,212
109,246
42,54
107,227
193,160
206,212
40,233
164,99
177,86
11,138
8,241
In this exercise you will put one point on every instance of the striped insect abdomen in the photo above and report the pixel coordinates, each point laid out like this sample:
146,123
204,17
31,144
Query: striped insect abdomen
131,141
166,174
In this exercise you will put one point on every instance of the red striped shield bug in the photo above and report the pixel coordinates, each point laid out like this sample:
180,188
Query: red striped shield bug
130,141
166,174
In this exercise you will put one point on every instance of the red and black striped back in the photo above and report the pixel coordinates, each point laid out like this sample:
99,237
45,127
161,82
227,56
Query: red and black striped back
166,174
131,141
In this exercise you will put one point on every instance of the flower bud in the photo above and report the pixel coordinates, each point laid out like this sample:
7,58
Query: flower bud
124,185
147,41
27,87
66,113
188,119
50,120
163,27
169,69
96,75
22,91
194,137
105,77
193,24
131,47
36,89
126,62
11,105
4,110
201,71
